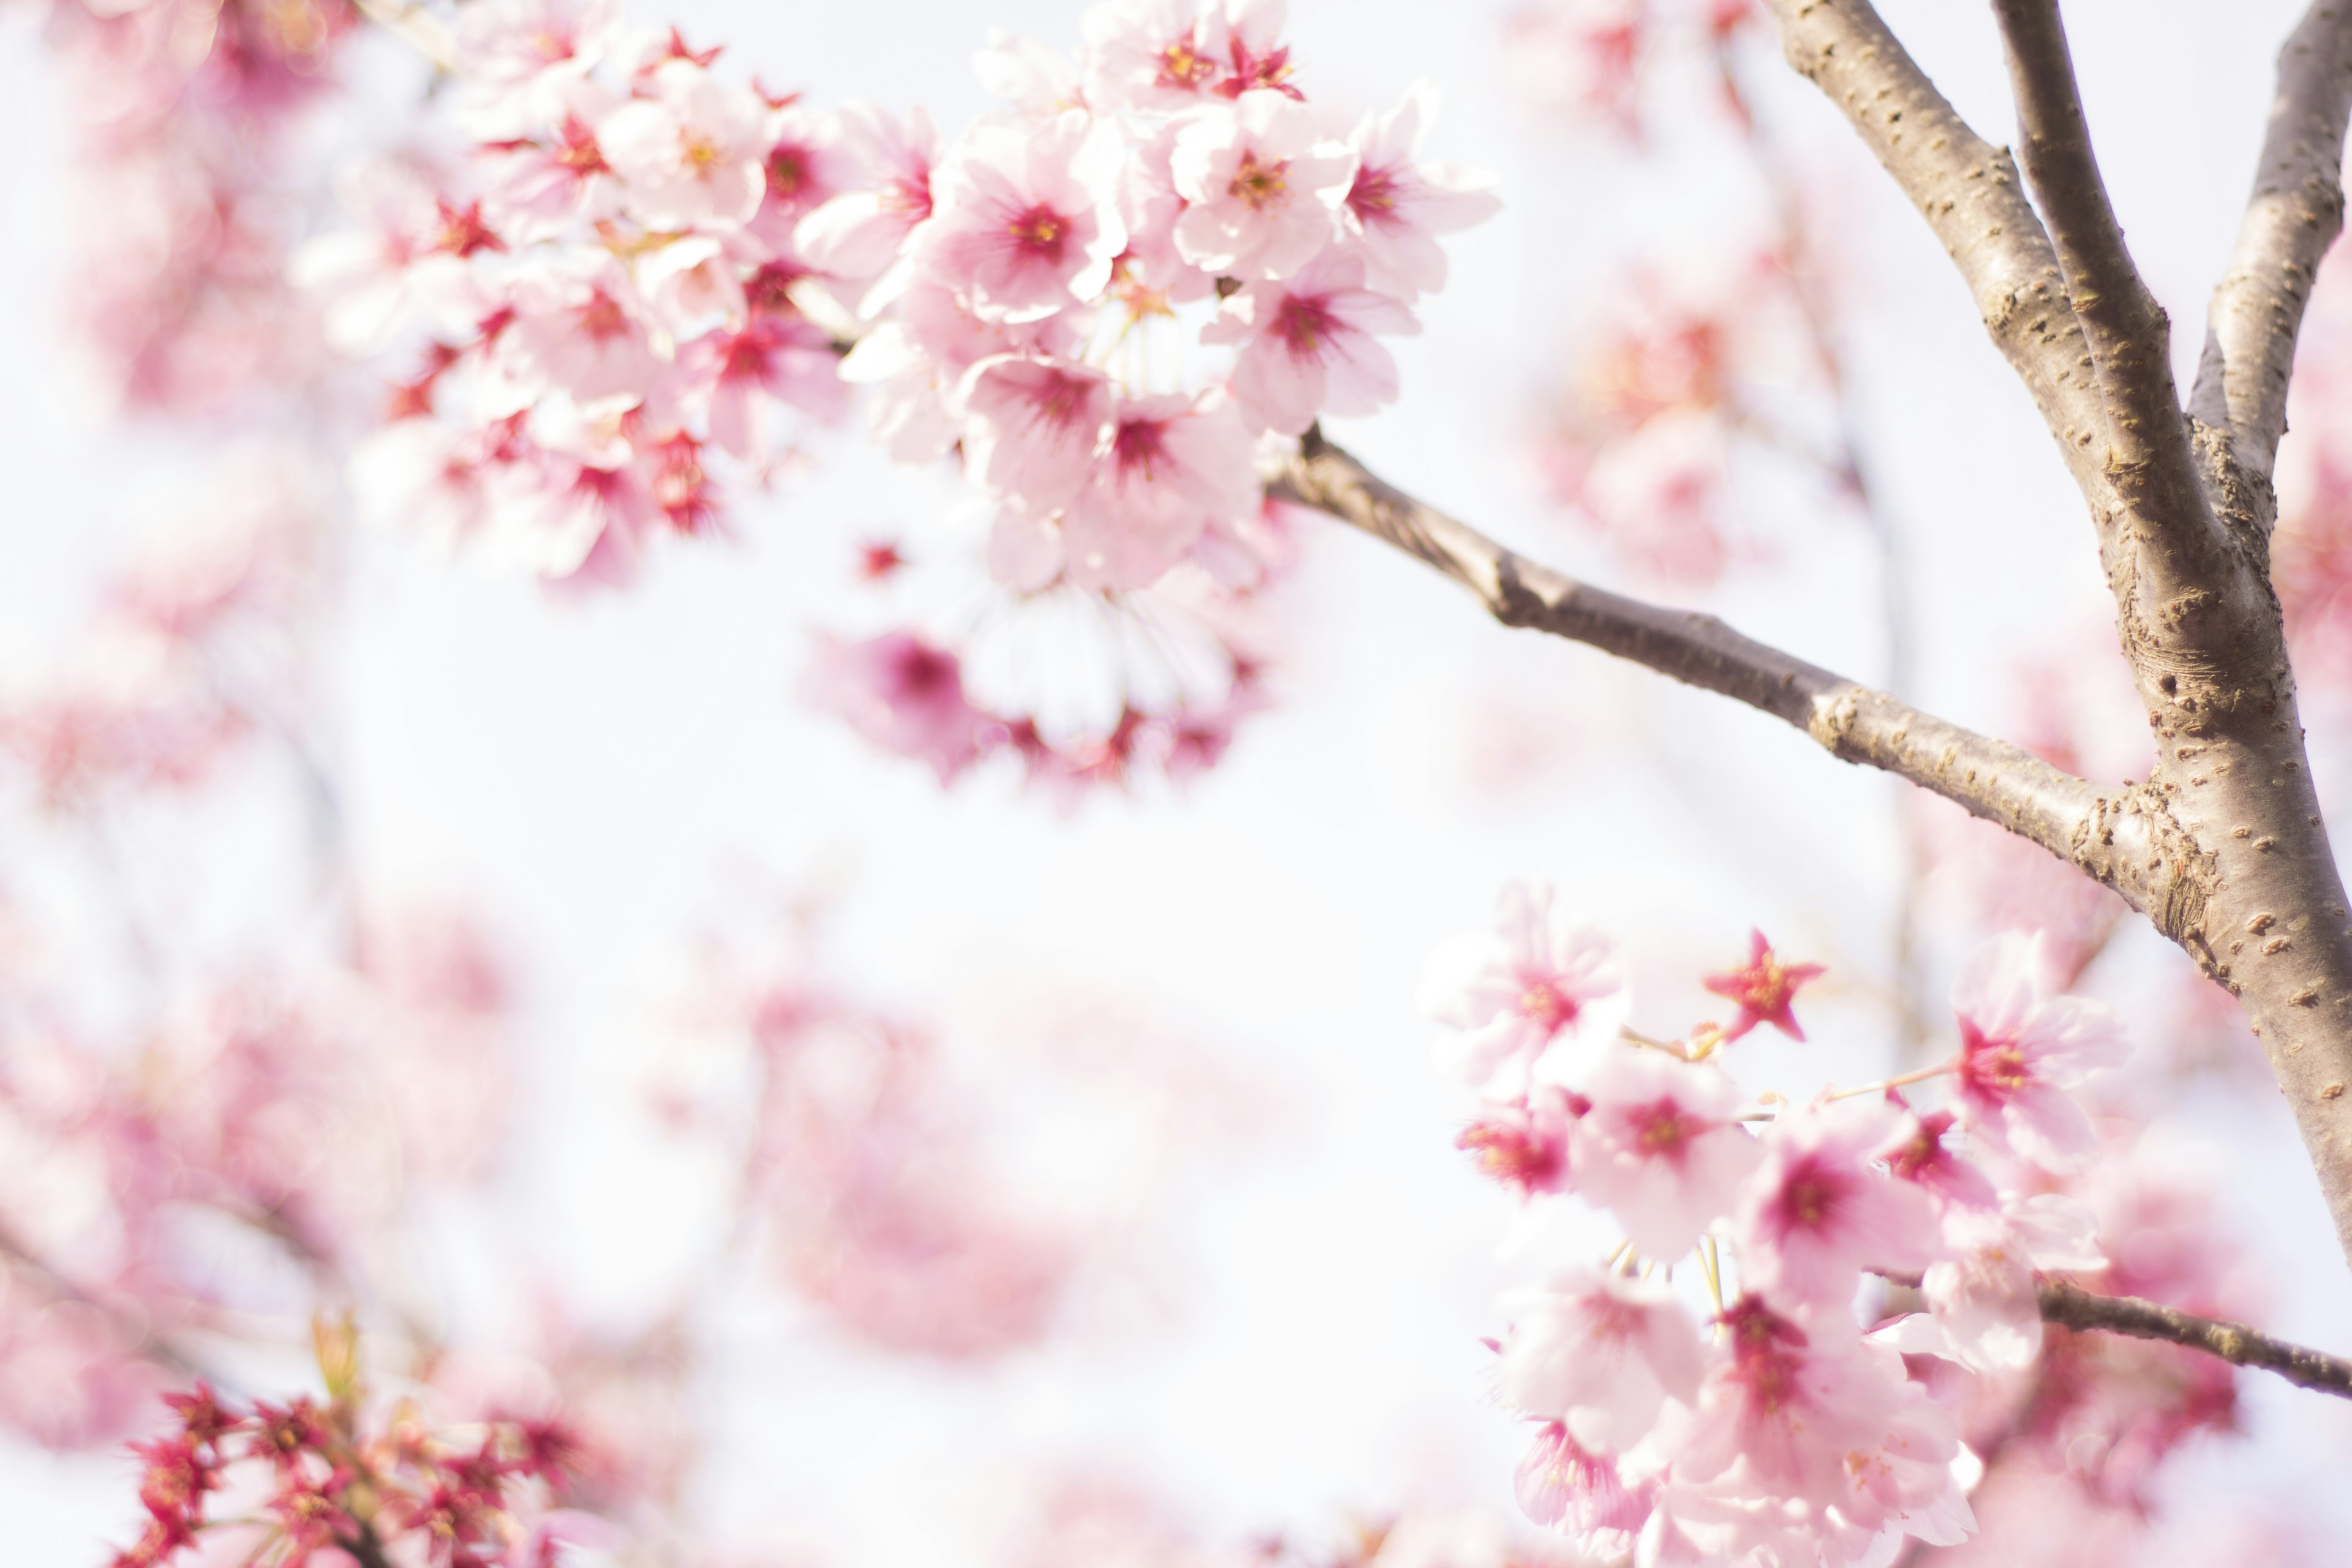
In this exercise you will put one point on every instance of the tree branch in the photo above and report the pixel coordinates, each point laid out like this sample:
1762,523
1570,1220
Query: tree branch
2150,461
2293,215
1968,192
1990,778
2072,1306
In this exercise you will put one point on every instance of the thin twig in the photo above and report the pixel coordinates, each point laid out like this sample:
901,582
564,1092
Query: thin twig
1990,778
2293,215
2072,1306
2150,460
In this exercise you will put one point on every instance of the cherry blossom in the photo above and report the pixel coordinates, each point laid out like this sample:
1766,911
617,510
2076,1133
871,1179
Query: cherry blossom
1817,1212
1661,1149
1580,1494
1397,206
1262,187
1307,344
692,155
2022,1049
1526,1146
1983,1300
859,232
1602,1354
1025,223
1764,989
904,695
1512,991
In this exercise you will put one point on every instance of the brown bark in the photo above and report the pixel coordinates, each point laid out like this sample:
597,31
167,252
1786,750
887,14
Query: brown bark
2223,846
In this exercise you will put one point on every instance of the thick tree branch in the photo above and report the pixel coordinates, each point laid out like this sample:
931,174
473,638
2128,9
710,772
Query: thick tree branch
2150,462
2072,1306
2293,215
1968,192
1990,778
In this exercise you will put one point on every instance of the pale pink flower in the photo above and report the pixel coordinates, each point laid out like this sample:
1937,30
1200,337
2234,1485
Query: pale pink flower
772,357
405,270
903,695
580,326
543,189
1173,465
1526,1146
1250,33
1819,1211
1580,1494
1031,429
887,174
1152,54
1513,991
805,166
1396,206
1026,220
1307,345
568,519
1662,1148
693,155
1152,274
1261,185
1602,1352
1796,1395
1580,58
1984,1300
2022,1049
915,361
524,58
1915,1151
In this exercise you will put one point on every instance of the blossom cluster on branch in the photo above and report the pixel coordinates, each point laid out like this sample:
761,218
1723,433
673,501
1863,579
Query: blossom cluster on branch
1785,1429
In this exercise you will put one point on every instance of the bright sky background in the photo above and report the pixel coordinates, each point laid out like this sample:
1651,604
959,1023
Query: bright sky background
605,779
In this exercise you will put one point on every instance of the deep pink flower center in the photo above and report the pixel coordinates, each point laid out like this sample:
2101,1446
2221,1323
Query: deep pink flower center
919,672
1991,1069
1545,1005
601,317
1040,233
1509,1151
1373,197
1662,1130
1810,1196
1304,323
1140,444
788,171
1058,398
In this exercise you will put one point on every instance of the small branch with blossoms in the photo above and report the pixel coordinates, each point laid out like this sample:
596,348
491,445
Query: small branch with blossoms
372,1480
1776,1423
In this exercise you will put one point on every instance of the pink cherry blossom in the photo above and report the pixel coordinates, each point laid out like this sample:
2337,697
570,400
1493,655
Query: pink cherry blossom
541,189
1662,1148
1796,1395
1173,467
1396,206
1031,429
1160,55
778,357
1764,988
904,695
1818,1212
1602,1352
1580,1494
2023,1049
1261,185
1307,345
1026,219
1984,1300
1510,992
1037,80
408,266
581,327
524,58
691,155
1915,1151
888,170
1526,1145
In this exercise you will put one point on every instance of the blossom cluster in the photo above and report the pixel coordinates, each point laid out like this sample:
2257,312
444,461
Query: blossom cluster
1058,300
290,1480
1783,1433
602,300
184,109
